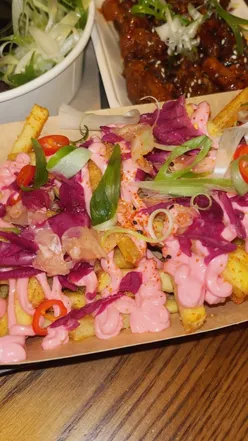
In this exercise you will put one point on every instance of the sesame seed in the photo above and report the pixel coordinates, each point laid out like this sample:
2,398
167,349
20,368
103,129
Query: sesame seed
190,90
245,60
234,57
192,84
149,43
223,41
216,75
199,81
188,95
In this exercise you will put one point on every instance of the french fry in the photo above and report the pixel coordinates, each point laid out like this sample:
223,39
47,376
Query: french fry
84,330
22,318
95,174
167,284
236,274
31,129
192,318
120,261
229,115
35,292
77,298
129,250
4,325
171,305
103,281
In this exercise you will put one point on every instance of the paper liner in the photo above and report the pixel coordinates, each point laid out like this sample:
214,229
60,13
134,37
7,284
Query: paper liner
218,316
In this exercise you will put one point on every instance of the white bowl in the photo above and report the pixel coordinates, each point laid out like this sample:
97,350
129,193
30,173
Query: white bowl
58,85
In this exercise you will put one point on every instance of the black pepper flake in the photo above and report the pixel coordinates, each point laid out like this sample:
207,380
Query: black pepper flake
140,231
135,222
134,208
168,257
171,206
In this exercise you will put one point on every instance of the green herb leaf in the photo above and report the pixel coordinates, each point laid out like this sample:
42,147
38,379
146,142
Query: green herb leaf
41,173
155,8
200,142
104,201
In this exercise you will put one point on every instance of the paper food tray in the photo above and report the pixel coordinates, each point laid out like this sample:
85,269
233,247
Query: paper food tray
218,316
106,44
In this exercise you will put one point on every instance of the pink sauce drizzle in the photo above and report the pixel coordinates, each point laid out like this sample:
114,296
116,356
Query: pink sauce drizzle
147,311
8,174
55,292
200,116
22,292
90,282
98,150
195,280
55,337
85,182
11,349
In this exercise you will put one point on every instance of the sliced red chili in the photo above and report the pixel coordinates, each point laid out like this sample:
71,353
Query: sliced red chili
25,175
52,143
41,311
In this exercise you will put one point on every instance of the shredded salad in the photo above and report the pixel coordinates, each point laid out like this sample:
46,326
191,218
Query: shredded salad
121,229
43,33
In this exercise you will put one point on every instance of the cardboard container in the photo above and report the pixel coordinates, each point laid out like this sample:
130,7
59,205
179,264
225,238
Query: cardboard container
218,316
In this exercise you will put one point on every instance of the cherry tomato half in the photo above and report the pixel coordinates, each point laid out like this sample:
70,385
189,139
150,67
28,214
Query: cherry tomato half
25,175
241,150
52,143
243,168
41,311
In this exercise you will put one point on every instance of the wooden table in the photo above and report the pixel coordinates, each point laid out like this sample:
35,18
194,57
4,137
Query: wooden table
194,389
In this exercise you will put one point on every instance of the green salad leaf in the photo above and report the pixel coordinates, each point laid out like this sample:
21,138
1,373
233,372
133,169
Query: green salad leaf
104,201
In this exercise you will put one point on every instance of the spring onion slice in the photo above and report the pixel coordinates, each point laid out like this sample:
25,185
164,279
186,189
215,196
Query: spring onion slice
228,143
54,160
107,225
41,174
166,148
129,232
104,201
70,118
150,224
240,185
187,187
195,205
202,142
69,162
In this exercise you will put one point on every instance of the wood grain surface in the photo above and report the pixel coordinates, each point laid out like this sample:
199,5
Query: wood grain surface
193,389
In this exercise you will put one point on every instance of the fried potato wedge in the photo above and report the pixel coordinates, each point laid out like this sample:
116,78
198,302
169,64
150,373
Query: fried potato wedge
103,281
191,318
229,115
31,129
166,281
35,292
85,329
129,250
120,261
4,325
171,305
77,298
236,273
22,318
95,174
